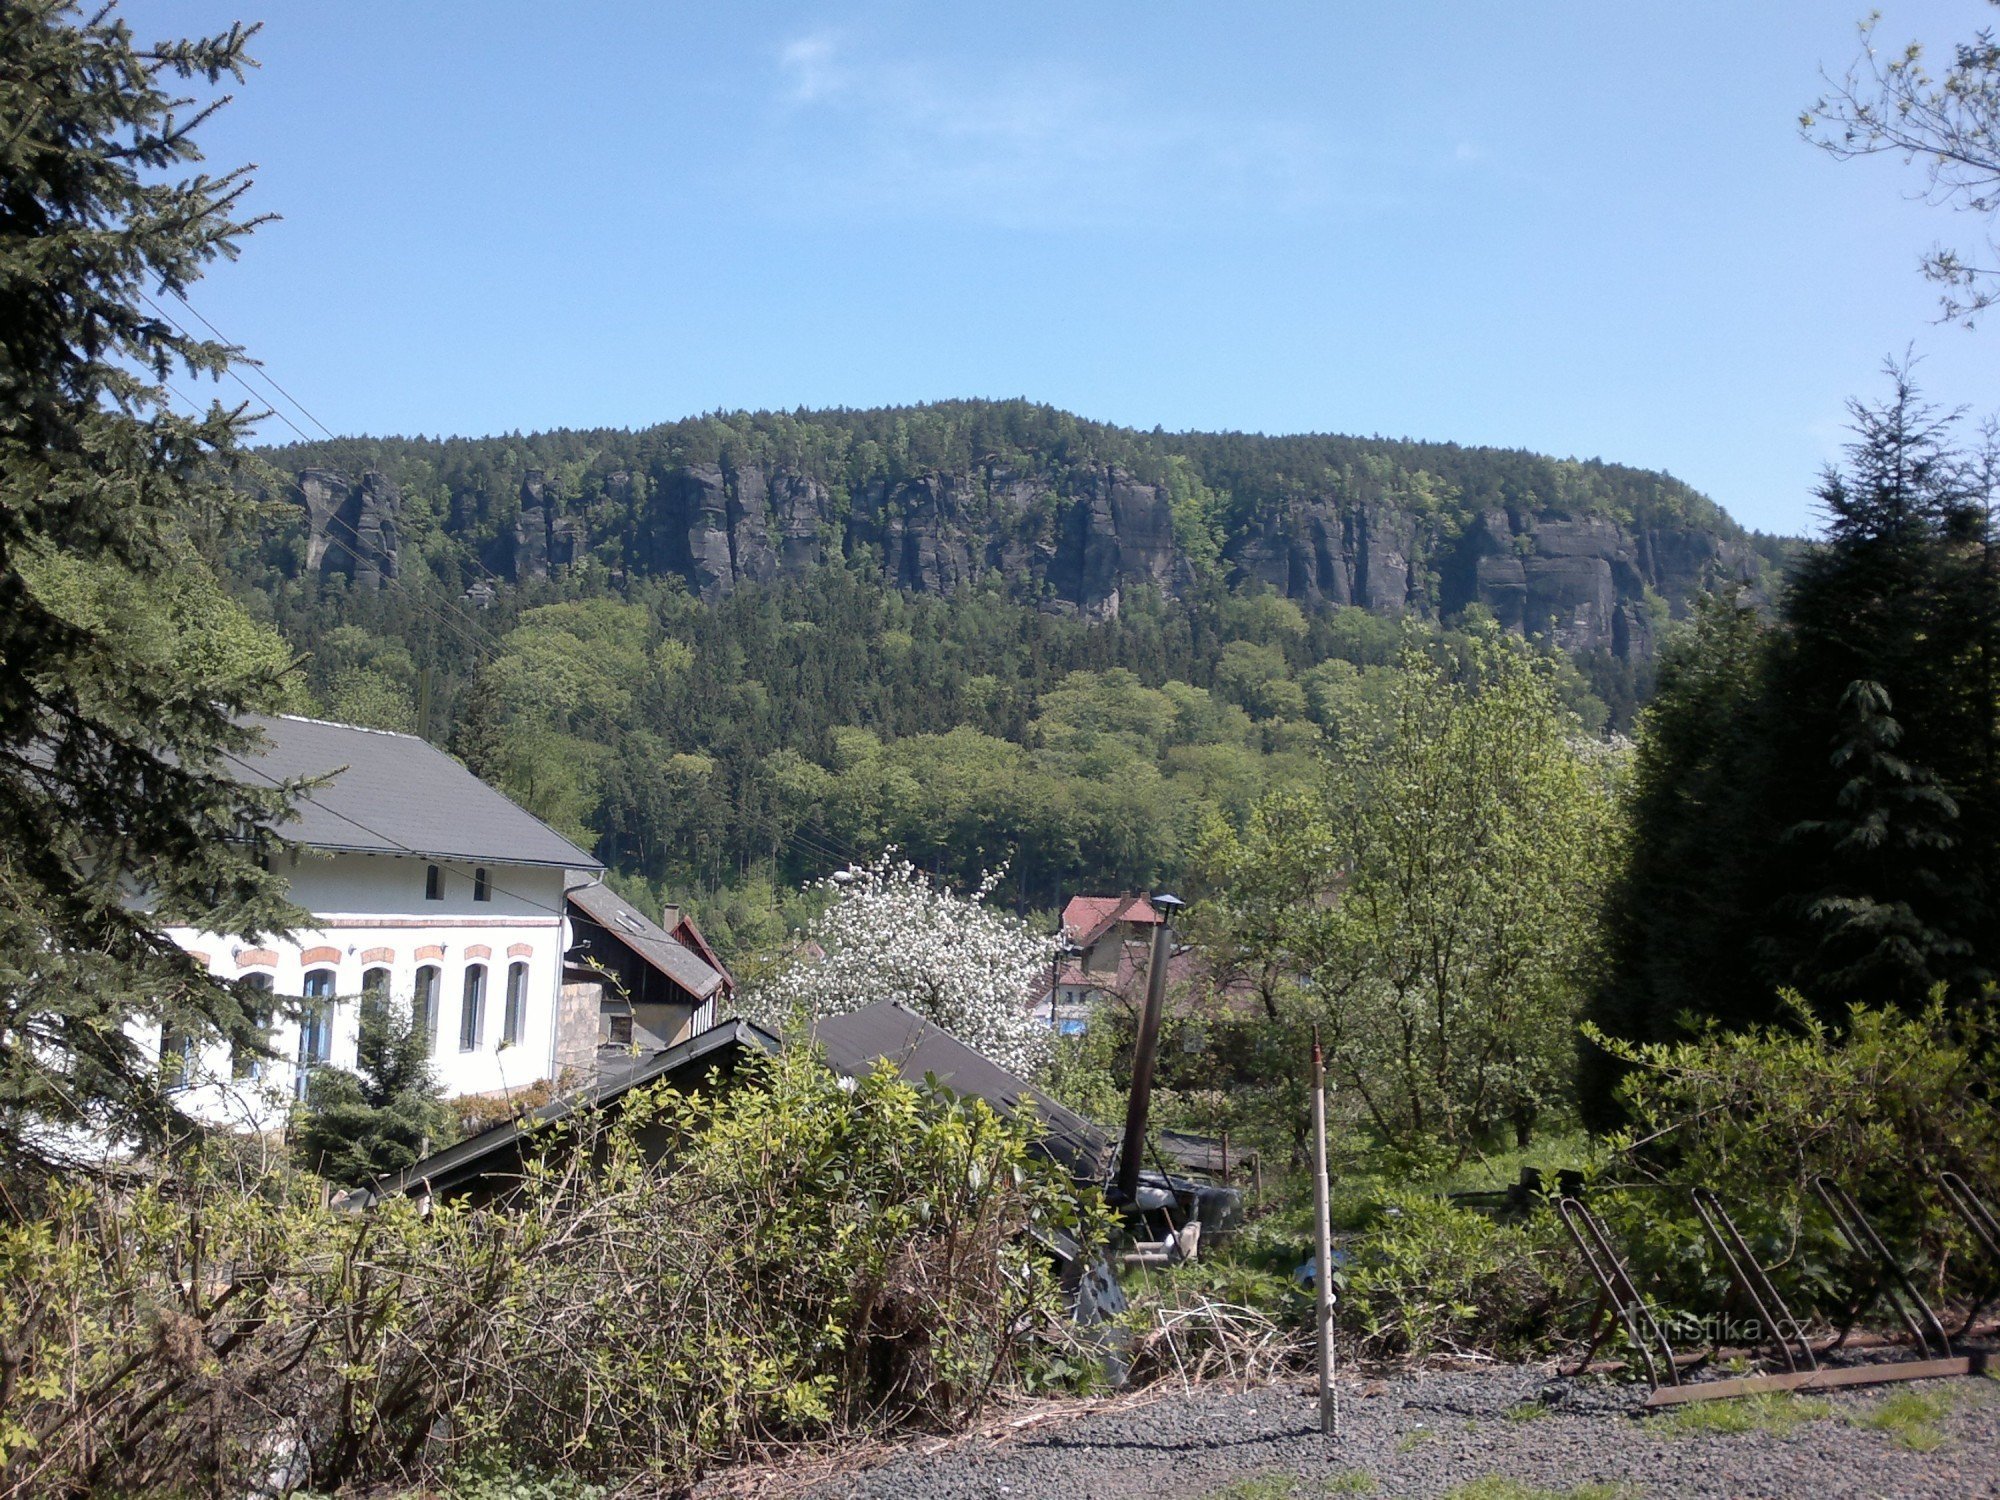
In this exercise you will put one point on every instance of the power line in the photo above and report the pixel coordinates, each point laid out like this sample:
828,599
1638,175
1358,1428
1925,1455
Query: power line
264,375
355,545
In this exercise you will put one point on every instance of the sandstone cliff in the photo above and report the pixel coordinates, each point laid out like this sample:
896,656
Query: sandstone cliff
1558,548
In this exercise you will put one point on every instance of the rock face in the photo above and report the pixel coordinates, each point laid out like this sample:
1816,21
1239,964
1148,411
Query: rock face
351,528
1077,540
542,534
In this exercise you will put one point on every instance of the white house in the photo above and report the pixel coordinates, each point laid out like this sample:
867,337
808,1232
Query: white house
422,884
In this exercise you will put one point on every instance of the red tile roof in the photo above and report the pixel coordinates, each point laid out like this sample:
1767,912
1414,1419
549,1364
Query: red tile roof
1087,917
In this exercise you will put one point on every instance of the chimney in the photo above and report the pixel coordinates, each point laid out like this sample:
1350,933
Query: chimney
670,916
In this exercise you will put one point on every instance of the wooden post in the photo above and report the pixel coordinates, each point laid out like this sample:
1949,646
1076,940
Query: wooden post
1144,1054
1329,1403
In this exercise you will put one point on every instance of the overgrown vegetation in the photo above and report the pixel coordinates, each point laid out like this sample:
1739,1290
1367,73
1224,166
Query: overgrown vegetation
813,1259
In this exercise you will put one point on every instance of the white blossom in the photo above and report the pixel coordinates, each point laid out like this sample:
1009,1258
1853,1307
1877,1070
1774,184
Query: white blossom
890,933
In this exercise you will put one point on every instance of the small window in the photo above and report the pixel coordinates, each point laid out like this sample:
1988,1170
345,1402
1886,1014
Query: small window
433,883
245,1063
424,1004
621,1030
482,888
472,1013
516,1015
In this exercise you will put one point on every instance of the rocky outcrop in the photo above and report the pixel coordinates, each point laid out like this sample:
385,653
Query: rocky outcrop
350,528
1077,539
543,535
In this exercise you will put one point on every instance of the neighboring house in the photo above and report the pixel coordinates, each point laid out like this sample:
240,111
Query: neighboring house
631,982
423,886
1108,955
1108,943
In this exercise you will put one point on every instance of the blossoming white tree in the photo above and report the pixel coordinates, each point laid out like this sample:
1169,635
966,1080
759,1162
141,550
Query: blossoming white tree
892,934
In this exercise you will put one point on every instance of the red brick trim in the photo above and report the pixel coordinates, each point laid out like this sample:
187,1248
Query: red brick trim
379,956
198,956
478,950
255,958
521,950
319,956
431,950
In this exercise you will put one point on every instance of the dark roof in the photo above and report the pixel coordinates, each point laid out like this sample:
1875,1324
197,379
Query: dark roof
397,794
853,1042
498,1149
652,943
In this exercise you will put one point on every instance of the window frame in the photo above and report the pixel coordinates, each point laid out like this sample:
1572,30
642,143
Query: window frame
472,1008
424,996
482,884
514,1016
246,1066
434,882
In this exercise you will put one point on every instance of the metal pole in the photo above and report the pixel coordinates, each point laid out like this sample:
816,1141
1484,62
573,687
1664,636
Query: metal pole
1144,1054
1329,1403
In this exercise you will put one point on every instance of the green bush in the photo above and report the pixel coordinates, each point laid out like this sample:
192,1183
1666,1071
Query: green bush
1432,1277
1882,1106
811,1258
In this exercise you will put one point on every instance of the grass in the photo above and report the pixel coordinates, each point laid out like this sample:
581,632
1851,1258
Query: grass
1273,1486
1912,1418
1775,1412
1278,1485
1527,1411
1495,1487
1416,1437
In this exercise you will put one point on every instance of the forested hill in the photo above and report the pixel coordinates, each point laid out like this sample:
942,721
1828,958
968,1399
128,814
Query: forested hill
1071,515
734,648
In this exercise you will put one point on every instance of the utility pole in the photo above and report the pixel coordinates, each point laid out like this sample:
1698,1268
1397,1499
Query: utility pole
1329,1403
1147,1050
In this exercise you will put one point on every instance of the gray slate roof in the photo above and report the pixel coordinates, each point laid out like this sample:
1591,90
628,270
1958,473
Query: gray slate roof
853,1043
397,794
886,1029
645,937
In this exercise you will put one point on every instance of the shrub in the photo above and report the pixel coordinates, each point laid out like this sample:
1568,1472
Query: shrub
812,1258
1882,1106
1430,1276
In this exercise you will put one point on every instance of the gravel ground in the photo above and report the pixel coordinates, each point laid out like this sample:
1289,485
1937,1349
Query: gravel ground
1424,1434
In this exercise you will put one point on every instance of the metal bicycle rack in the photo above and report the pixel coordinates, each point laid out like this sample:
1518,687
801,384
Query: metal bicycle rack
1985,1230
1620,1296
1755,1282
1890,1276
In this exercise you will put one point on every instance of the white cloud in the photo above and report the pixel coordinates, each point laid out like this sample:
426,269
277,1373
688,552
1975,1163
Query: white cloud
810,63
1024,146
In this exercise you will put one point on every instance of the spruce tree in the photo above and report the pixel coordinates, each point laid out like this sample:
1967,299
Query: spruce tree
1816,800
361,1125
118,813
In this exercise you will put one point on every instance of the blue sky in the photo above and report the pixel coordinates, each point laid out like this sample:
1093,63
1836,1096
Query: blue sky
1588,229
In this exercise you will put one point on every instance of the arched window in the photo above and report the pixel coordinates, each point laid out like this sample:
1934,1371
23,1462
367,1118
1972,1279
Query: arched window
315,1025
472,1010
433,883
482,887
374,987
177,1057
424,1004
516,1015
244,1062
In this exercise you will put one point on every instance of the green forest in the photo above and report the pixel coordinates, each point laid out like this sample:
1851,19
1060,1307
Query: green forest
722,753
